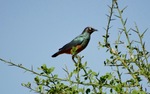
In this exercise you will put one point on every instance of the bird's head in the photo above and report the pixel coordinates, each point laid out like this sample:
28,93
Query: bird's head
89,30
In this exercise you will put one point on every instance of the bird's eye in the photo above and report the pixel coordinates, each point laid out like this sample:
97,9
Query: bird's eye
90,28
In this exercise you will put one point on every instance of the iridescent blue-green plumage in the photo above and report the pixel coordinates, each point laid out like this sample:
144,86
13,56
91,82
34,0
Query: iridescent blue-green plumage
80,42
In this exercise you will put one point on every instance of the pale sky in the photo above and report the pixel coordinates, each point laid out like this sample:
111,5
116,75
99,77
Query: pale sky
32,30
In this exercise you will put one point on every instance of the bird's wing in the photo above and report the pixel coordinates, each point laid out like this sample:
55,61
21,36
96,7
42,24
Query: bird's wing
77,41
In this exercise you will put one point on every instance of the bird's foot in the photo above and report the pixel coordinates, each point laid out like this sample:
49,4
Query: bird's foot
78,59
73,58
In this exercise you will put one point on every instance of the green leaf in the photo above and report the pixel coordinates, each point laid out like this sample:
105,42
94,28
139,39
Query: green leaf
85,64
37,80
44,67
70,75
40,88
73,50
90,71
55,76
94,73
138,92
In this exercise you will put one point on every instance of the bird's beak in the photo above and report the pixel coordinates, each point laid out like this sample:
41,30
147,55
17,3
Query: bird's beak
95,30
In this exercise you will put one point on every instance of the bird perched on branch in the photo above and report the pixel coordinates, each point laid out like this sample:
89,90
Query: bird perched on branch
77,44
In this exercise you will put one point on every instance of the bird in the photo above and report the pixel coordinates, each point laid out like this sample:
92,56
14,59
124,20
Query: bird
78,44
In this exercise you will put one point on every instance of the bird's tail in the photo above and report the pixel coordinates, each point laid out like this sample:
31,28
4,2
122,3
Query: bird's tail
56,54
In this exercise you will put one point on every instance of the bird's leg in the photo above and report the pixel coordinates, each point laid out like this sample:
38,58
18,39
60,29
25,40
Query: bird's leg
73,59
